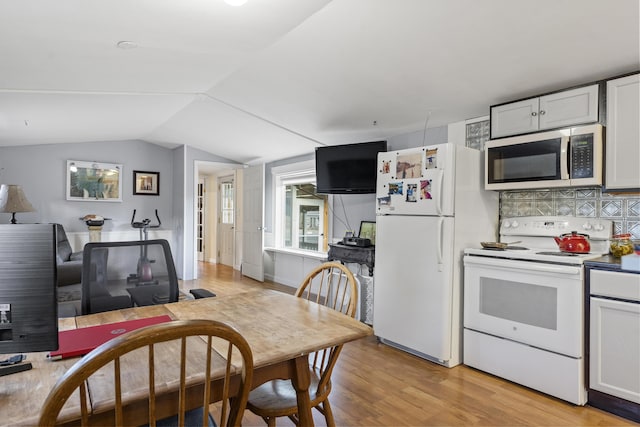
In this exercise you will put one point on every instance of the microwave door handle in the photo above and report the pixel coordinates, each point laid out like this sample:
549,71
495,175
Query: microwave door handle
564,157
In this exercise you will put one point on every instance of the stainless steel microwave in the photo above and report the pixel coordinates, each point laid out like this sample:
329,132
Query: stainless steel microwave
569,157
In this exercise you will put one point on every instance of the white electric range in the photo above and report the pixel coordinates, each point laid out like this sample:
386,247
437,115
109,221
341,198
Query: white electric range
524,305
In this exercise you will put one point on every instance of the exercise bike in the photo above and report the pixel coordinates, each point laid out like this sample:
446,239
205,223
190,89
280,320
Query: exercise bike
144,274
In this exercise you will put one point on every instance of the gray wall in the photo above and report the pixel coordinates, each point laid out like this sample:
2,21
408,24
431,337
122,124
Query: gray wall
178,162
41,171
353,208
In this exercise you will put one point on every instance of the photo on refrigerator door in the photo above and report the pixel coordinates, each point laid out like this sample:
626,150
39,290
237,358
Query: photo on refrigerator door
384,201
412,190
425,189
386,167
395,188
431,158
409,165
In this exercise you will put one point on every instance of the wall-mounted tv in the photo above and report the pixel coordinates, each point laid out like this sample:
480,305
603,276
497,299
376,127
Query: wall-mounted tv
349,168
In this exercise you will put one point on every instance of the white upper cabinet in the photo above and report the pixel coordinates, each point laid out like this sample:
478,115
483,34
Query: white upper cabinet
566,108
623,133
515,118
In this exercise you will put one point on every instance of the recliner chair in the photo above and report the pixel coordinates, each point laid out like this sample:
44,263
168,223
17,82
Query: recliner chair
69,263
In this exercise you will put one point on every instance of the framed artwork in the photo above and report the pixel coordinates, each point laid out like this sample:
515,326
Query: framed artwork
146,183
93,181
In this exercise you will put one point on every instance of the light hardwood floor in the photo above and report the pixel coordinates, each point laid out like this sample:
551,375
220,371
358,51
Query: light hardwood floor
376,385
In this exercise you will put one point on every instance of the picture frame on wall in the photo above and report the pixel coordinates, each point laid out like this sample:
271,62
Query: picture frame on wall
93,181
146,183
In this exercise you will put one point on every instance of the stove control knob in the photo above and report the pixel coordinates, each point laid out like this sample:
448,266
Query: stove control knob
514,224
598,227
506,224
586,226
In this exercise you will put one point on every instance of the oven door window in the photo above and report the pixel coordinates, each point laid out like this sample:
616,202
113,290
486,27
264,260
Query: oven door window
524,303
532,303
531,161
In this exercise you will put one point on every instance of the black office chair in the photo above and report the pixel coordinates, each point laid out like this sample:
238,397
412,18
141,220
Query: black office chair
118,275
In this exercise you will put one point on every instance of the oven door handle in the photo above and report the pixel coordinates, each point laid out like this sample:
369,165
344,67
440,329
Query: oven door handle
522,265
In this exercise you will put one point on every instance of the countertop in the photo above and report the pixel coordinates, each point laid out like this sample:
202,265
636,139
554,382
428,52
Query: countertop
608,262
604,261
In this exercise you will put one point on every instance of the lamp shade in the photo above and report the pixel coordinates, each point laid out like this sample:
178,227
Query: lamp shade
12,200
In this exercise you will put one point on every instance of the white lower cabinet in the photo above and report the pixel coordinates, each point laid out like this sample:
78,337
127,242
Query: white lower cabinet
615,348
614,340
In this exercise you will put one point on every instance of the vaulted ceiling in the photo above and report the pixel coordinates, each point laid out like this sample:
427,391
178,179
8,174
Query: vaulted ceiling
275,78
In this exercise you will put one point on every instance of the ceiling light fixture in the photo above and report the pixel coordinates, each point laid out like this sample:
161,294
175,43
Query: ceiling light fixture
235,2
127,45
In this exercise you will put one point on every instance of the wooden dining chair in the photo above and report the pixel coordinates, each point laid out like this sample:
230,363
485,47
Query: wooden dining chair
160,372
333,285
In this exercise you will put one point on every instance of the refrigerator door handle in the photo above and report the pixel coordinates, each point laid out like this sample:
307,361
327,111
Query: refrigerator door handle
440,195
440,242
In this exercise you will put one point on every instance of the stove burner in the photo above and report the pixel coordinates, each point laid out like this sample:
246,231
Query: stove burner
559,253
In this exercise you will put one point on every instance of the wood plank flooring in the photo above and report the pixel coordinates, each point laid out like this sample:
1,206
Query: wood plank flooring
376,385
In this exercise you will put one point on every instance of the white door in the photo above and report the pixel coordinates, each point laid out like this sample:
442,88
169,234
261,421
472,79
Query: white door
226,220
413,291
252,222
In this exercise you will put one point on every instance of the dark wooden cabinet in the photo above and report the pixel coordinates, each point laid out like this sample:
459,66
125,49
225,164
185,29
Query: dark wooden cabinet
355,254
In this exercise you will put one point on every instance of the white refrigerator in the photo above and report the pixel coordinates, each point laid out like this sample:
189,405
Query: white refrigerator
431,204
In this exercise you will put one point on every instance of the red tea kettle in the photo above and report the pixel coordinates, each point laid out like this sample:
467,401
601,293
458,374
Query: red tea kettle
573,242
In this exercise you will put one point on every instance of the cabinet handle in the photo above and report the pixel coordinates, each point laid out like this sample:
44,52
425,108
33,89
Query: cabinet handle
533,113
542,112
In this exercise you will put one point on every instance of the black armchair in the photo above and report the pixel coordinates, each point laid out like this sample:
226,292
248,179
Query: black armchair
69,263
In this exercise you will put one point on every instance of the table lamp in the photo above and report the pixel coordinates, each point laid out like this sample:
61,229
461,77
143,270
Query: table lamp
12,200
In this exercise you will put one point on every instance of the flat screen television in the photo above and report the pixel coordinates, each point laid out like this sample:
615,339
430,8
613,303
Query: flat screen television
349,168
28,297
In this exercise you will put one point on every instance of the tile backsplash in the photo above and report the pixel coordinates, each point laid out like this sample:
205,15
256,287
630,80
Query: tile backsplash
623,210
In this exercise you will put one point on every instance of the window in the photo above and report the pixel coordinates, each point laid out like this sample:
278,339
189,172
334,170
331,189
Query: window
301,214
226,198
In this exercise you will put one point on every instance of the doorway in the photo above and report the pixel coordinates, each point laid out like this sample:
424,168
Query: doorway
209,174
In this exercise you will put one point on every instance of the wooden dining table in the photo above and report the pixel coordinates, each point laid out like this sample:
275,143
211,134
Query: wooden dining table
280,329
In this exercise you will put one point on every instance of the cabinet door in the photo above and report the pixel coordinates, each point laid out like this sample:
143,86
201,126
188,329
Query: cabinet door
570,107
515,118
615,348
623,133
